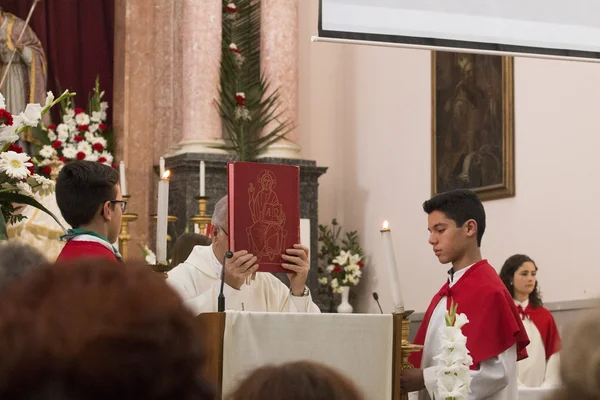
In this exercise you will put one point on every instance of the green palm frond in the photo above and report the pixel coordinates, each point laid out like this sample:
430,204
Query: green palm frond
262,108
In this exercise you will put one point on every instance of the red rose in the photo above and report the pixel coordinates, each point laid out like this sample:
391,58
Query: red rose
79,111
56,144
63,159
337,268
360,264
103,127
102,159
98,146
114,166
82,128
46,170
6,117
81,155
15,147
31,168
77,138
241,100
52,127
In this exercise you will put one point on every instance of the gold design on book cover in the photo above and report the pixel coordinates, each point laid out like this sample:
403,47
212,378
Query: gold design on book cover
266,234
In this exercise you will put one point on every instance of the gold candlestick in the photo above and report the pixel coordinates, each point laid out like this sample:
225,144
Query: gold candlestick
124,236
202,219
401,363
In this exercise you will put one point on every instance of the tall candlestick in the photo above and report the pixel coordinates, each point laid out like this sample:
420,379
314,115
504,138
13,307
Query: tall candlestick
122,180
202,179
162,214
161,164
390,257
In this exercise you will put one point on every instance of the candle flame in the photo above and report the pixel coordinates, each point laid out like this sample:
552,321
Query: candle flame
386,224
166,174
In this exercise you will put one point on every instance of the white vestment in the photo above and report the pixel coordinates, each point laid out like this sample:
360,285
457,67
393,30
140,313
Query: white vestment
496,377
534,371
197,280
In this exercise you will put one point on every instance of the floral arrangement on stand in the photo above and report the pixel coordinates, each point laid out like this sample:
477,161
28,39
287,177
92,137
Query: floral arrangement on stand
80,135
453,376
19,184
246,103
340,266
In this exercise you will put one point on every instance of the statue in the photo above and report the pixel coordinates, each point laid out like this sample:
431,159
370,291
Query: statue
25,80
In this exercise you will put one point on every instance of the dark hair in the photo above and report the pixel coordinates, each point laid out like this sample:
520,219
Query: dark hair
93,330
185,244
301,380
18,260
460,206
82,187
507,273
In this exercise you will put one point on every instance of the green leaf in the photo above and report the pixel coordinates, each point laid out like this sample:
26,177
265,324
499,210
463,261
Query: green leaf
23,199
3,234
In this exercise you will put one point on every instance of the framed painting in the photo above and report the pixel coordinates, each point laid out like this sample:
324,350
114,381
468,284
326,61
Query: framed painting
473,124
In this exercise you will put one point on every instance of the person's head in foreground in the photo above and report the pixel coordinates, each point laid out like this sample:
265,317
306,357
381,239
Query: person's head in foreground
18,260
89,197
519,274
456,223
91,330
301,380
580,360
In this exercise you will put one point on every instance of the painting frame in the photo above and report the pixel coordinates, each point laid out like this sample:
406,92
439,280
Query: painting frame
506,187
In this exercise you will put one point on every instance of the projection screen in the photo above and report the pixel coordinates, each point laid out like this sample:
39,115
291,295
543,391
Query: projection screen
540,28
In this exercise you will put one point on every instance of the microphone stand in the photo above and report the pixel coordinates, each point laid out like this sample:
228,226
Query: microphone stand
221,299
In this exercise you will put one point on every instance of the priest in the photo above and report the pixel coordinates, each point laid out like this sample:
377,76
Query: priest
496,338
197,280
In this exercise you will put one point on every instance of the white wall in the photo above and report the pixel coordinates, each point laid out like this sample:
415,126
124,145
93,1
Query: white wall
365,112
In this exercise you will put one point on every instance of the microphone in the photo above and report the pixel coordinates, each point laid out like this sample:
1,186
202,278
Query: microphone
376,297
221,300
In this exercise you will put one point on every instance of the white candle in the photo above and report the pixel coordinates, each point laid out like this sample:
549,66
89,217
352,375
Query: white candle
161,164
162,213
122,180
390,258
202,179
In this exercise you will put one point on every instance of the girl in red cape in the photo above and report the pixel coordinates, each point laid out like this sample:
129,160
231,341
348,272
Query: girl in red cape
542,367
496,338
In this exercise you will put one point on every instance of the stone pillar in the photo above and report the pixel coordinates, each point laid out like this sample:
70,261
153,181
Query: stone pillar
201,48
279,60
133,114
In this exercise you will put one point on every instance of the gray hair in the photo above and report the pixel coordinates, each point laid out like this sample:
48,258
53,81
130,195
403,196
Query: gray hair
18,260
219,216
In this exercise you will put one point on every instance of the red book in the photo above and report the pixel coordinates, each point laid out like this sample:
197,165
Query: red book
264,211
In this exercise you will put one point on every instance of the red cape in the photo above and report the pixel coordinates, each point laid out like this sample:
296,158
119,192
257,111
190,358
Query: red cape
544,321
75,249
494,322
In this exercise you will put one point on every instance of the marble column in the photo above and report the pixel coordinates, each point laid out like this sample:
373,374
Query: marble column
133,113
279,60
201,48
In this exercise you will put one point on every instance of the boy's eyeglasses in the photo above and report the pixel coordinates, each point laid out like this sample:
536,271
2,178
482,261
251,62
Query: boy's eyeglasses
123,204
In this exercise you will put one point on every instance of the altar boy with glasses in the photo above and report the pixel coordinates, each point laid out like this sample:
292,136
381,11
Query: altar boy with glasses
89,197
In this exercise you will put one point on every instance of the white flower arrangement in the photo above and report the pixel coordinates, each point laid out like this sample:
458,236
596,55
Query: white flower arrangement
346,270
453,377
19,185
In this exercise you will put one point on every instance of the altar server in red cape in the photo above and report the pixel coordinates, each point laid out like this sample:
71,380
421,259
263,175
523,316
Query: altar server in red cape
542,367
496,338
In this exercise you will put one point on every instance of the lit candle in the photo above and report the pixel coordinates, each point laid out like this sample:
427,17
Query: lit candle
388,250
122,180
162,213
161,164
202,179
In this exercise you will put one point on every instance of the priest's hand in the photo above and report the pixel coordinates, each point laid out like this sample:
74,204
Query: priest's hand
297,262
411,380
239,267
